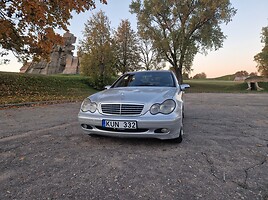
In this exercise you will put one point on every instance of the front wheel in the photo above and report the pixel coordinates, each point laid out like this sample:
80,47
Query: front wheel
178,139
183,116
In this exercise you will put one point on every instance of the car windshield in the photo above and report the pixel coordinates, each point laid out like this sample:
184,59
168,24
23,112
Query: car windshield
151,79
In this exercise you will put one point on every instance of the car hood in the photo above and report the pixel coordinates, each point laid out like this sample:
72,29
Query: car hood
140,95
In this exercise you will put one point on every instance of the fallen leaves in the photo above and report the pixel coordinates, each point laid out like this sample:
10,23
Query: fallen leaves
21,88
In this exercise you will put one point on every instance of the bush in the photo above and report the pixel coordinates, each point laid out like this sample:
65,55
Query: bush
200,76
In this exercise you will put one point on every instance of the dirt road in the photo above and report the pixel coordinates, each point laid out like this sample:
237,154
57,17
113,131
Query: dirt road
224,154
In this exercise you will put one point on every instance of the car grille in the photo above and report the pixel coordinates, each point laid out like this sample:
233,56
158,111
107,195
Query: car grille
121,109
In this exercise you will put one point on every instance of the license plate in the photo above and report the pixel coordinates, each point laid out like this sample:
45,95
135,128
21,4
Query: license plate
119,124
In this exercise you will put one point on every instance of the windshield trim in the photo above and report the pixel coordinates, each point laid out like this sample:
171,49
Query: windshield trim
144,72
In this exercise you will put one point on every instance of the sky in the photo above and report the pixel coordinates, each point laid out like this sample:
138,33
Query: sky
242,44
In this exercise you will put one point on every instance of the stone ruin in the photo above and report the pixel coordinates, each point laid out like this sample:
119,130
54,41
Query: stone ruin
61,61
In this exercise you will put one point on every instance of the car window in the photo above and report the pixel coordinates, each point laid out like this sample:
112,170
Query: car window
141,79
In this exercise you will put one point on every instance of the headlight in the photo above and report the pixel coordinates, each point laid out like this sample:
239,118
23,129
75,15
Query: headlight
166,107
87,105
155,109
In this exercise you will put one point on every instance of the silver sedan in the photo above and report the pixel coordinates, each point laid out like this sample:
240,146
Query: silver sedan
146,104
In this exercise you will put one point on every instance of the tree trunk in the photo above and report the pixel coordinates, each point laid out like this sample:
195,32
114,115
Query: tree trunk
178,72
181,61
102,76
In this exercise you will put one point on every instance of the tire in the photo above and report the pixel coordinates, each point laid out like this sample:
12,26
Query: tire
178,139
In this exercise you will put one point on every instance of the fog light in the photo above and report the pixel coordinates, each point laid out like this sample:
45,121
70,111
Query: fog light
164,130
85,126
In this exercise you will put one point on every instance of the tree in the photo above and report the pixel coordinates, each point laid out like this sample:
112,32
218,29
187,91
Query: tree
262,57
126,48
241,73
179,29
200,76
96,50
28,27
253,74
149,55
185,76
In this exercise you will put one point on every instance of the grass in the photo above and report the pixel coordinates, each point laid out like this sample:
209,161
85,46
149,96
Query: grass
20,88
220,86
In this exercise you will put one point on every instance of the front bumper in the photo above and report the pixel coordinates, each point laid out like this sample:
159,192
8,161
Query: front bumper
149,126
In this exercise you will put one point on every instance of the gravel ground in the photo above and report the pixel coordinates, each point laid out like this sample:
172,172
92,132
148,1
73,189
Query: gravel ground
224,154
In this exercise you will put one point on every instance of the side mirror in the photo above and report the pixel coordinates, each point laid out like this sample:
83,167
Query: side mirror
107,87
184,86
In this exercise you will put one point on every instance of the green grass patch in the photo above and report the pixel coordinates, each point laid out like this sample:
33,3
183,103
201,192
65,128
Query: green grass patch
221,86
264,86
20,88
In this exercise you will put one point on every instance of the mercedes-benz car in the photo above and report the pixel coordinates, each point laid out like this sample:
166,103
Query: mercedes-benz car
145,104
